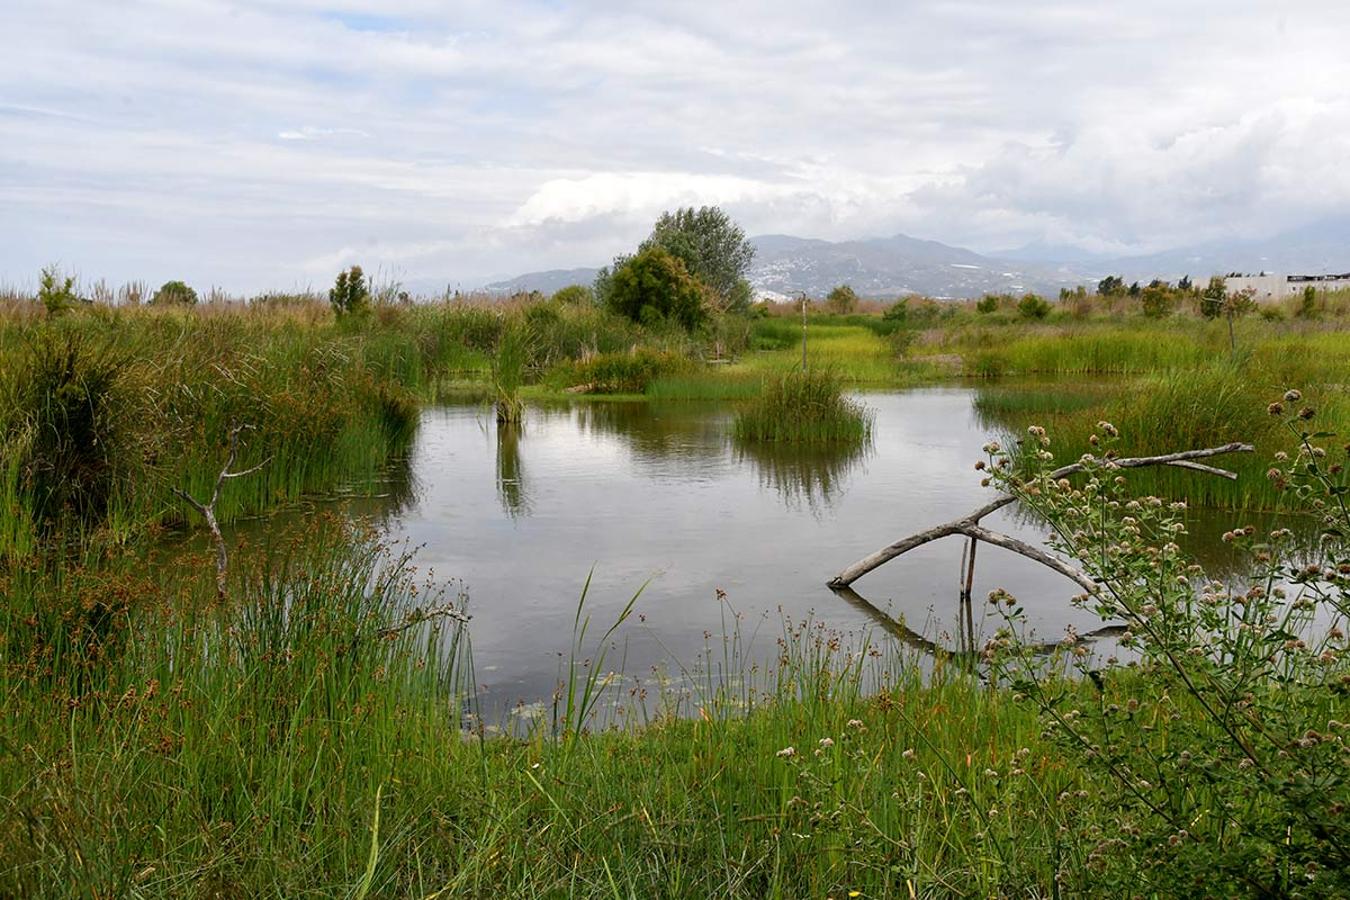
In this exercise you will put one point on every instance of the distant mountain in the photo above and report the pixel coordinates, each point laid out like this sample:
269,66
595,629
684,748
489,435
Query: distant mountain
1320,248
785,266
880,267
545,282
887,267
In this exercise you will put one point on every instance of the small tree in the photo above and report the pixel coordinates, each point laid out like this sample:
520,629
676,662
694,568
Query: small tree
652,286
56,292
1307,307
174,293
713,249
986,304
1033,306
349,294
1156,300
1111,286
842,300
897,311
1214,297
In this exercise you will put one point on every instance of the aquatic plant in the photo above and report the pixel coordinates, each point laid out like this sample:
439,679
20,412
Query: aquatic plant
804,407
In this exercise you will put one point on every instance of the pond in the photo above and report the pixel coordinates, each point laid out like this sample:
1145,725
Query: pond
655,494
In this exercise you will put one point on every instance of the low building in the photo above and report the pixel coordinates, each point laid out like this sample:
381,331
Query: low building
1275,287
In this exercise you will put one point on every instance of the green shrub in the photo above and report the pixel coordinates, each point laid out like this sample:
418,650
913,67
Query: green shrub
575,295
174,293
56,293
842,300
897,311
987,304
350,293
655,286
621,373
1032,306
1223,742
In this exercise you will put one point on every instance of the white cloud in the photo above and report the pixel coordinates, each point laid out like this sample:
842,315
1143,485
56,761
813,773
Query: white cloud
256,142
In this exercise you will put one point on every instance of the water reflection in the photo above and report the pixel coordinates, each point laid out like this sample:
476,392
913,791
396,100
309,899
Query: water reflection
969,642
511,470
804,475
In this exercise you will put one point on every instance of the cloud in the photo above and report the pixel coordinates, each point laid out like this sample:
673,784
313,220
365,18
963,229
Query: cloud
256,142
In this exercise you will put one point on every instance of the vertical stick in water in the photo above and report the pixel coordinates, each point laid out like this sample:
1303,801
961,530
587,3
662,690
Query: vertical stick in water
803,332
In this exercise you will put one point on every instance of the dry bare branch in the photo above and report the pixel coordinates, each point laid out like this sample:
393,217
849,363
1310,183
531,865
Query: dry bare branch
969,525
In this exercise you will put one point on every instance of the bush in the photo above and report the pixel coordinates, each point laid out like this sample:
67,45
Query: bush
897,311
842,300
986,304
620,373
575,295
1223,742
654,286
1033,306
1156,301
56,293
350,293
174,293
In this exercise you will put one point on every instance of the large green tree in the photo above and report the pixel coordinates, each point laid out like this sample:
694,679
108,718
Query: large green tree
712,247
651,286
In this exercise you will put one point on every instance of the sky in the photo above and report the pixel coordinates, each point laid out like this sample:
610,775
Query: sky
264,144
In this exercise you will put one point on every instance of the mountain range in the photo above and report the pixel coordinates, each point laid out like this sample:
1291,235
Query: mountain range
785,266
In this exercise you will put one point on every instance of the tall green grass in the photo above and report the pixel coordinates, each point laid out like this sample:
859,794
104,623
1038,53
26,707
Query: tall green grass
251,749
1204,406
804,408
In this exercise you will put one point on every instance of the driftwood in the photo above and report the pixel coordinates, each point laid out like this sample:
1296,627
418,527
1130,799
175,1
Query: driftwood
970,526
208,509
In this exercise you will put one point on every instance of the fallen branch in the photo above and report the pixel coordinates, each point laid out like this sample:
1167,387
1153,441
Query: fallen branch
208,509
970,525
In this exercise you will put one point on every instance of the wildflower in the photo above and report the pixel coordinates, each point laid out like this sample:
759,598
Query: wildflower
855,723
786,753
1306,413
1292,396
908,754
1108,429
827,743
1275,409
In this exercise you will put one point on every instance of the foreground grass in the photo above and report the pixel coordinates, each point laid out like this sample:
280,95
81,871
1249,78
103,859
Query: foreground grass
177,747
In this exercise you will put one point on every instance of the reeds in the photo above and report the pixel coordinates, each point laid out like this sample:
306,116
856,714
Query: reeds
804,408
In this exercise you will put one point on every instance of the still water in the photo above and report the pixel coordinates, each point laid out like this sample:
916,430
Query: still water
656,495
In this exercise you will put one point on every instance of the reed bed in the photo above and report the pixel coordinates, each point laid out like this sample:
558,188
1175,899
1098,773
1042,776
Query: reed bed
804,408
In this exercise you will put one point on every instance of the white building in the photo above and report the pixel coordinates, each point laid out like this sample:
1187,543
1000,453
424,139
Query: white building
1275,287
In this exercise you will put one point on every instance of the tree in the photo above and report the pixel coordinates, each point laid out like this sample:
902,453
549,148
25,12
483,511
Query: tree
1033,306
1214,297
349,293
1111,286
57,293
841,300
986,304
713,249
1184,285
651,286
174,293
897,311
1156,300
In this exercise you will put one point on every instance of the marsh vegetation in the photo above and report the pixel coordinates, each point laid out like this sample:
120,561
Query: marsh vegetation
322,727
